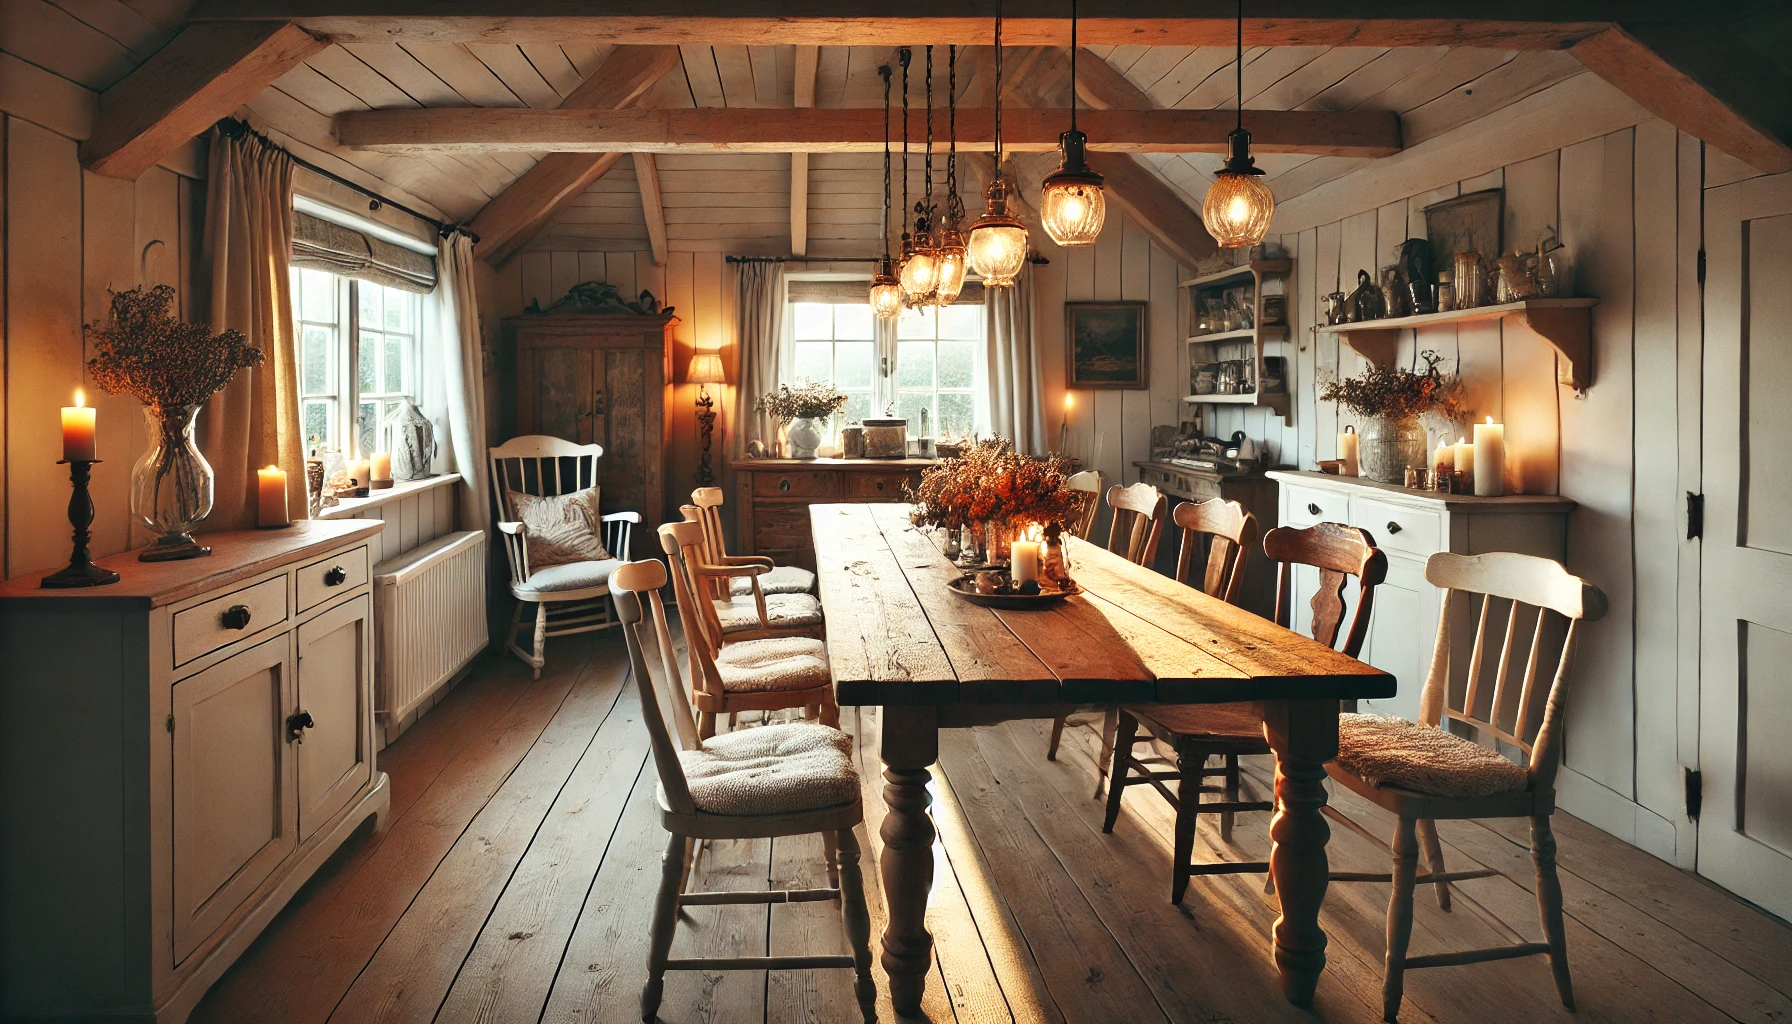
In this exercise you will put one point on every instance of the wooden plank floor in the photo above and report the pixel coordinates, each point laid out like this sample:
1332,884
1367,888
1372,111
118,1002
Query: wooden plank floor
516,880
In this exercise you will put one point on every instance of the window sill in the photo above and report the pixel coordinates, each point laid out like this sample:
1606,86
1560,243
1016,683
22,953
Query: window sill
350,508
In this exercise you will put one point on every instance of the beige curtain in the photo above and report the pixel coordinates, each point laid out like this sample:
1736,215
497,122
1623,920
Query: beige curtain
759,339
1016,389
248,242
455,359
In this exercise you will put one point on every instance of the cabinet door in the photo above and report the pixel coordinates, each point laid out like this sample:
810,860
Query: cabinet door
557,393
1402,631
335,753
628,475
235,815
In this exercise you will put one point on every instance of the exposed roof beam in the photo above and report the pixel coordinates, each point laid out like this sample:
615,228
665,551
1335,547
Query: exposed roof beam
507,223
647,176
1359,133
807,59
203,74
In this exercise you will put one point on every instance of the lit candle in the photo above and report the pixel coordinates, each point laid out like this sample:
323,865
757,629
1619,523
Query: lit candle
358,472
271,488
1490,458
1023,560
381,469
77,431
1347,453
1465,456
1445,459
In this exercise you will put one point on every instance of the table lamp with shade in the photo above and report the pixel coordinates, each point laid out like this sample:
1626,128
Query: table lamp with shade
705,369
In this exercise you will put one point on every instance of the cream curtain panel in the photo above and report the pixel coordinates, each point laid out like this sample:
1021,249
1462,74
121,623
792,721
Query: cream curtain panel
1016,389
759,335
254,422
454,377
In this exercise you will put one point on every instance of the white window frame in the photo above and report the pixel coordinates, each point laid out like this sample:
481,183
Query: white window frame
347,395
978,390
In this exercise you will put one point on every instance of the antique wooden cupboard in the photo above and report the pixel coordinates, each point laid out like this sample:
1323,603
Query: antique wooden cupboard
602,378
772,498
180,752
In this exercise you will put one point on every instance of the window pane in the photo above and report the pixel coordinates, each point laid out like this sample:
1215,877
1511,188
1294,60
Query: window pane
367,430
369,376
958,360
962,322
910,405
814,320
371,313
315,357
957,413
853,321
915,323
853,362
858,405
814,361
317,296
395,382
914,364
316,420
398,309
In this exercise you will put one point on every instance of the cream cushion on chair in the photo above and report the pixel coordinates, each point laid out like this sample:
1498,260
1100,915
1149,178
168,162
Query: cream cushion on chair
561,528
783,611
568,576
773,769
1398,753
782,579
777,663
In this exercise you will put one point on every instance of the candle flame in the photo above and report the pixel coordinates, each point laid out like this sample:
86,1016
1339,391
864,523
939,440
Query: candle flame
1462,440
1069,400
1490,421
271,469
80,399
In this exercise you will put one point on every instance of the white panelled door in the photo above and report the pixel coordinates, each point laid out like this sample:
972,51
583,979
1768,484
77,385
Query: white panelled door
1745,830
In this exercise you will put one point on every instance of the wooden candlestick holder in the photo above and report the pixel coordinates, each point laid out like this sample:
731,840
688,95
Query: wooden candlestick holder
81,572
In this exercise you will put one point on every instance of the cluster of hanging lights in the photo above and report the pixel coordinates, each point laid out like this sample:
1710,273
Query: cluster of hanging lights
997,247
931,269
1072,206
1238,204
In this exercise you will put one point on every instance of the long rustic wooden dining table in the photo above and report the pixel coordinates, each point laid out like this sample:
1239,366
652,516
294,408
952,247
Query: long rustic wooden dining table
931,660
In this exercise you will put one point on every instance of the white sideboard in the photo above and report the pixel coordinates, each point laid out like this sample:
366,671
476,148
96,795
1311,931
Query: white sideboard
179,752
1410,526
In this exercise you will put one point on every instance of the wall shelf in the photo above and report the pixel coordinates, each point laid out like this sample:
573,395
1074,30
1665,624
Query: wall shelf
1277,400
1247,342
1564,323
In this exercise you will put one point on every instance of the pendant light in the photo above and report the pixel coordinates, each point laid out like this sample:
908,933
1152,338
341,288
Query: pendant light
886,291
916,272
997,248
1072,206
949,254
1238,204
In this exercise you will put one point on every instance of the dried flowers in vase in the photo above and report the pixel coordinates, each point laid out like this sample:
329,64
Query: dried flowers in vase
992,484
1390,400
800,407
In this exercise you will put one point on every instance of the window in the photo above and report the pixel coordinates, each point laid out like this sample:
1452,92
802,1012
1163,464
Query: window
835,342
937,352
358,357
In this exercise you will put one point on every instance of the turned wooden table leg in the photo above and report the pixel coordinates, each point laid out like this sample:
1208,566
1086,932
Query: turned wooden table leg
1304,735
909,744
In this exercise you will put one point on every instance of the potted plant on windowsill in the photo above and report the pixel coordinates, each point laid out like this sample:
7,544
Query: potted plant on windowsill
1390,400
799,408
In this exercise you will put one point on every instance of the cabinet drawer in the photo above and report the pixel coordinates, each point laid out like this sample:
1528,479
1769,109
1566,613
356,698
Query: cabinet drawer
1398,528
1168,482
799,484
1309,505
204,628
877,486
325,578
781,527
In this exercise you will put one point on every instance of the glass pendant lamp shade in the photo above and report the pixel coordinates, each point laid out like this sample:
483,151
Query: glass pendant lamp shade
1072,206
997,248
949,267
886,291
919,273
1238,204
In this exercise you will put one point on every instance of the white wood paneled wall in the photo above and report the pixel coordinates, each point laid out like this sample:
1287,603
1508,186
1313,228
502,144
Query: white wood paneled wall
411,521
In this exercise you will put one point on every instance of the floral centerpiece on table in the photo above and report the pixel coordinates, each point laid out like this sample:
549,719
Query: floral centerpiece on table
992,484
1390,400
173,367
799,408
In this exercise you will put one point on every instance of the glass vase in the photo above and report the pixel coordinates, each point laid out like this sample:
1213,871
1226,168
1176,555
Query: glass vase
171,485
1389,445
996,544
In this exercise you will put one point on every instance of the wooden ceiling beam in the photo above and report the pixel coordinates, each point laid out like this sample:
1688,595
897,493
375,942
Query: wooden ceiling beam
1358,133
808,58
203,74
653,208
508,222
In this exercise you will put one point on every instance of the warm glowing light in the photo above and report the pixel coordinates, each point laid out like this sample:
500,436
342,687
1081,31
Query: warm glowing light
886,290
81,401
997,249
1069,401
949,268
1072,206
919,273
1489,419
1237,210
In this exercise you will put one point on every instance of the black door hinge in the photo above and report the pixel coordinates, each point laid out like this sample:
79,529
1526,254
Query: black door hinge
1695,793
1701,266
1695,516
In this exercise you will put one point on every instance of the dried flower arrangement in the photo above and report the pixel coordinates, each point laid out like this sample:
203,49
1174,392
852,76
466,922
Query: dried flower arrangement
808,400
991,483
1399,392
163,361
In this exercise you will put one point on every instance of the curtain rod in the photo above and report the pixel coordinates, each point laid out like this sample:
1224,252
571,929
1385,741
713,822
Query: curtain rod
238,129
1035,259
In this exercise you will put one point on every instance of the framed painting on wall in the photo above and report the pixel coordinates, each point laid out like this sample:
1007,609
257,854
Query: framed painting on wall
1104,346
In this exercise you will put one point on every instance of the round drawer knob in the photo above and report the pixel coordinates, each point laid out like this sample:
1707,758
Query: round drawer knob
880,485
1393,527
235,617
336,577
783,485
1313,508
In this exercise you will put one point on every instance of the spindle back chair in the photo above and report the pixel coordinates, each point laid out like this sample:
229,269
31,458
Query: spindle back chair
1087,484
1138,524
1230,533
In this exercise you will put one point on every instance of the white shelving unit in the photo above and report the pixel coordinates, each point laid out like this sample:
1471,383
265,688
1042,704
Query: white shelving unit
1247,343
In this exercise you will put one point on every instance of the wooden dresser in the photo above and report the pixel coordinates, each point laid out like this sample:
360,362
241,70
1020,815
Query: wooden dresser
772,498
602,378
1254,491
180,752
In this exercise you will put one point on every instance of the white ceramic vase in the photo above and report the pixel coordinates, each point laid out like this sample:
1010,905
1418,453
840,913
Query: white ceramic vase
805,437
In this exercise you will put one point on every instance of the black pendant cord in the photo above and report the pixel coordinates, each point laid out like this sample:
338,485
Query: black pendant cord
998,134
903,56
884,70
954,204
1073,64
1240,63
924,209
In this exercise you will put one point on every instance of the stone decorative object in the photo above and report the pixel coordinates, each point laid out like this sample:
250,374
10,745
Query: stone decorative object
411,438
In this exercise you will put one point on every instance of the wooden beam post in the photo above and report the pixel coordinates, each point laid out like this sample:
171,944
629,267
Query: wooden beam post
507,223
807,58
647,175
203,74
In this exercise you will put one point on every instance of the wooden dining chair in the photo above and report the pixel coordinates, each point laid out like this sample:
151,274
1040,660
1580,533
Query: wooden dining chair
734,617
1087,485
1422,771
769,674
1138,525
706,504
570,597
781,780
1198,732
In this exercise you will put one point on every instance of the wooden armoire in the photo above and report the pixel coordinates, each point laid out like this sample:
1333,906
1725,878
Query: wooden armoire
602,378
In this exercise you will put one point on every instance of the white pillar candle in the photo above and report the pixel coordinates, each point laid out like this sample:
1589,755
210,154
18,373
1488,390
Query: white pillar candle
1023,560
1445,459
1490,458
1465,456
381,467
271,490
77,430
1347,453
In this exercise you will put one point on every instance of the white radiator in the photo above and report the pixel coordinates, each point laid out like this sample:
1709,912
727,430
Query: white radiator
429,619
